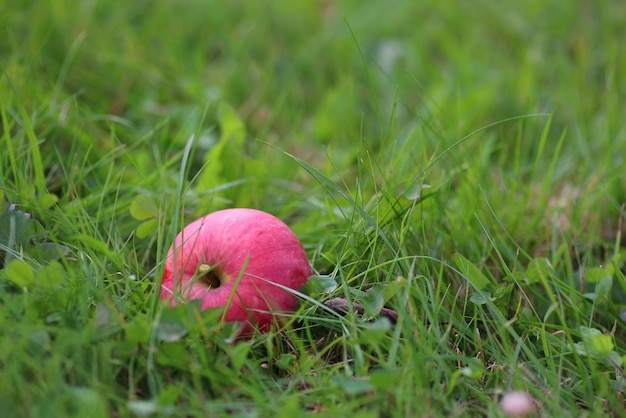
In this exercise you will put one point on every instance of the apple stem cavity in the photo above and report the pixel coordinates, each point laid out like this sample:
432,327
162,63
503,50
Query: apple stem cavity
210,276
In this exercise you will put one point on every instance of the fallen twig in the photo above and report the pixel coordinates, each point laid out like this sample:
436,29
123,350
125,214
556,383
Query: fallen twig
342,307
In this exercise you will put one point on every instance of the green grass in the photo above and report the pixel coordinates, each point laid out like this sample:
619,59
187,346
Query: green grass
459,162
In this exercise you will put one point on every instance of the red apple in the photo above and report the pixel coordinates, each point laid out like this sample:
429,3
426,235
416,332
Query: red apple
234,258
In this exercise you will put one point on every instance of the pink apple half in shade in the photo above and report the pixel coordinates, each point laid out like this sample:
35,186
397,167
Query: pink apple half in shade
234,258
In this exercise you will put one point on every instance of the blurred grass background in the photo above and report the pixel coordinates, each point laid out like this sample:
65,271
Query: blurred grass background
393,137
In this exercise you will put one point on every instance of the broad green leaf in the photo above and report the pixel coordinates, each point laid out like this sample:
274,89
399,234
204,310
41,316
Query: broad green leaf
143,408
472,373
616,358
319,285
417,191
285,361
538,269
170,394
225,162
372,301
352,385
103,315
173,354
503,292
40,338
48,251
147,228
208,317
229,331
4,203
20,273
603,289
619,288
48,200
471,272
380,325
231,125
474,369
51,275
335,110
392,288
481,298
88,402
170,331
16,228
211,175
454,379
176,322
138,330
595,275
595,342
238,355
143,207
384,379
98,245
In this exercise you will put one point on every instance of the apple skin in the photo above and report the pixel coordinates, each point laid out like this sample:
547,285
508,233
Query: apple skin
231,243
